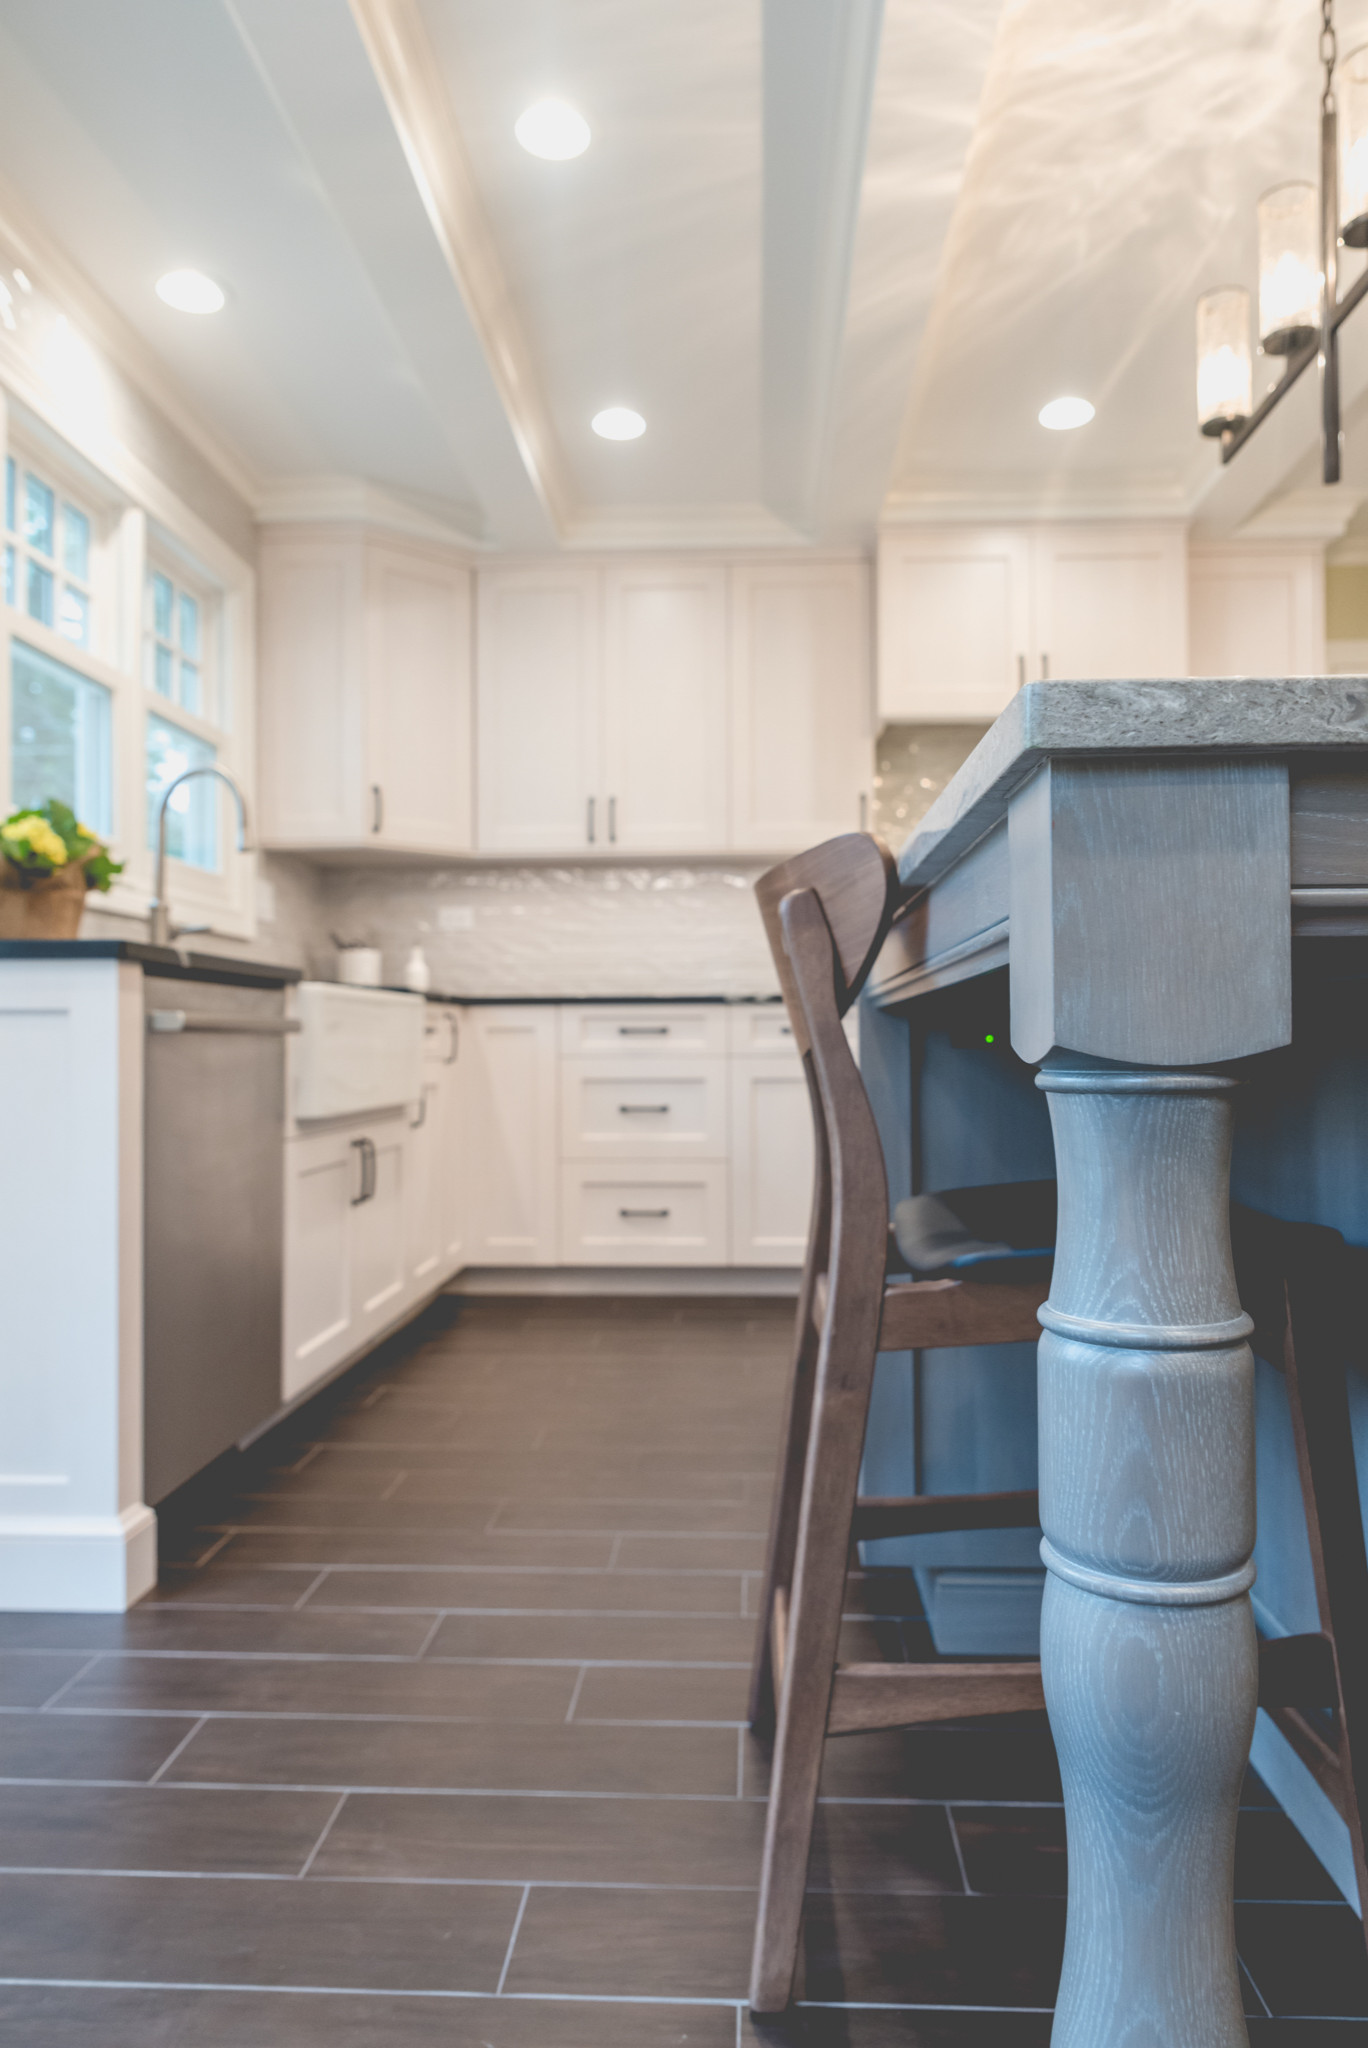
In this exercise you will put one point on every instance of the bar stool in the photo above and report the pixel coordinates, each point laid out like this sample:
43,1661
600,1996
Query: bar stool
827,913
1306,1289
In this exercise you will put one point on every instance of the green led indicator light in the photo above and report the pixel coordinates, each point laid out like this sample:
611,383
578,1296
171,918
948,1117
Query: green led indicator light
987,1037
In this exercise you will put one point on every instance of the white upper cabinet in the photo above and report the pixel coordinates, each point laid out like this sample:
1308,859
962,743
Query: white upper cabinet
954,622
1109,600
1256,610
966,615
801,704
538,705
665,707
365,692
418,708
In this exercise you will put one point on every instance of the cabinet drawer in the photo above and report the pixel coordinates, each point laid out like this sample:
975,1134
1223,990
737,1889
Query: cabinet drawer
661,1110
762,1028
643,1029
611,1217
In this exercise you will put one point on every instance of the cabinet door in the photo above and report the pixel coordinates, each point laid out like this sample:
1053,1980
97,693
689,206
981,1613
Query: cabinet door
802,704
510,1103
1254,610
310,694
453,1149
418,701
954,621
425,1229
771,1159
378,1265
537,690
322,1178
1110,601
665,707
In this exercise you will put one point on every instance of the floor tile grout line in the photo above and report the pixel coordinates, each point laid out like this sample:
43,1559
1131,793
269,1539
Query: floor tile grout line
420,1654
959,1852
327,1830
67,1684
575,1695
491,1526
394,1485
167,1762
741,1761
512,1941
215,1548
311,1588
1253,1982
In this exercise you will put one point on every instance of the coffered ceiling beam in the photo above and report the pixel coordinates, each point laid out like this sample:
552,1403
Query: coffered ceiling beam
361,93
820,60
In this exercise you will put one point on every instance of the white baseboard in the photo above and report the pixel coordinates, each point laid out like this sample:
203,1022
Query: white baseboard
77,1564
777,1281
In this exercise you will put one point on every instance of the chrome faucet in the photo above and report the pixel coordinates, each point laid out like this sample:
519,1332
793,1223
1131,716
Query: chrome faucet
159,930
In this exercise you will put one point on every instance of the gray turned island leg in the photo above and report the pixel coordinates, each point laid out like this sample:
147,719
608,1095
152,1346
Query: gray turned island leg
1147,1506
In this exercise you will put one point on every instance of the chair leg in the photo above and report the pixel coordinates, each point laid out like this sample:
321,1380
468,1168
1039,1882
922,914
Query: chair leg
788,1490
830,1480
1315,1361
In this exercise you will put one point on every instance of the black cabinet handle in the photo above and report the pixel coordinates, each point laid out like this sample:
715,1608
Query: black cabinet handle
657,1215
643,1030
365,1148
612,821
454,1042
590,824
377,807
643,1109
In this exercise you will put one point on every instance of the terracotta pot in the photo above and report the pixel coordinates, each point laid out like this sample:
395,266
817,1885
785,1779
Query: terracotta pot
50,909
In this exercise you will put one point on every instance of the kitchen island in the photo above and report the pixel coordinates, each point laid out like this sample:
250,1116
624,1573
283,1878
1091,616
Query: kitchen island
1160,891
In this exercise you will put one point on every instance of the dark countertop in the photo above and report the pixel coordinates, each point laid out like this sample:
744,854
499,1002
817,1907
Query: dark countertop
167,960
617,1002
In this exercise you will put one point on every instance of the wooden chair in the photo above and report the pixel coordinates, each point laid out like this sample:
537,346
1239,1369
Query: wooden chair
826,913
1306,1289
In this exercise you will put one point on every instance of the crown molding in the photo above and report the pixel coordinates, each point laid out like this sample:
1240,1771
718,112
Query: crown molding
948,506
613,527
53,271
402,58
1320,513
353,501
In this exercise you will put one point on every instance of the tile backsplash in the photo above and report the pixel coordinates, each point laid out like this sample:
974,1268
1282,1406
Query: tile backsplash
574,931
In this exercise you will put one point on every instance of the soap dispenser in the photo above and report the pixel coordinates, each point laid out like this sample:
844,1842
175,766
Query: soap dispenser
417,973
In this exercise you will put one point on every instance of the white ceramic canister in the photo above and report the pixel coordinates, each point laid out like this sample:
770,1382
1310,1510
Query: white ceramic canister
359,966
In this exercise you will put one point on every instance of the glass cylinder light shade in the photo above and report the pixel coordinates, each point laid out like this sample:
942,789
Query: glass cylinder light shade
1289,268
1352,96
1224,372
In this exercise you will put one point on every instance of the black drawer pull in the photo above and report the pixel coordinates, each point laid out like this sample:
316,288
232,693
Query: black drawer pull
643,1109
643,1030
656,1215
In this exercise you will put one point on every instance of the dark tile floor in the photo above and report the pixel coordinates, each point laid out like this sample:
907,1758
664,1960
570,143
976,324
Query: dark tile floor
432,1733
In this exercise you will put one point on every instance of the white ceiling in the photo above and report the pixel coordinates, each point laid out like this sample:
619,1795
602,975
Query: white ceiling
837,252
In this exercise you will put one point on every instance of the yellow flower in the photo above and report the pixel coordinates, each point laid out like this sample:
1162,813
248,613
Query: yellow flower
19,828
36,833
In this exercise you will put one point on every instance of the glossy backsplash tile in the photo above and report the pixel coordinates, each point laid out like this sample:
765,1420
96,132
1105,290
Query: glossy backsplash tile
573,931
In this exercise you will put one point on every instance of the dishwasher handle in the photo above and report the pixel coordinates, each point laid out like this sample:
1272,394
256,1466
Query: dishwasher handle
164,1021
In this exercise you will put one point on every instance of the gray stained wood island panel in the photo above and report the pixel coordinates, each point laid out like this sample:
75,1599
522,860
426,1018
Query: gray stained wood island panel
1140,850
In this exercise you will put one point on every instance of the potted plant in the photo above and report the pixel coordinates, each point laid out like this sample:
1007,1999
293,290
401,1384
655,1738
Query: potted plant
47,862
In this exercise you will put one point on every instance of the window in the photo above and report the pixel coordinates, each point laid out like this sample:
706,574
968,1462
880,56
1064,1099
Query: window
61,737
47,554
174,643
192,811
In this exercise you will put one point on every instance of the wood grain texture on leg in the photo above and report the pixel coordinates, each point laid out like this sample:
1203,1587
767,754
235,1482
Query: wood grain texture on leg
1146,1490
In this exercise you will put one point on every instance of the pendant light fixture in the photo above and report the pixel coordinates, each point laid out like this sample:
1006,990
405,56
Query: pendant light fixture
1302,228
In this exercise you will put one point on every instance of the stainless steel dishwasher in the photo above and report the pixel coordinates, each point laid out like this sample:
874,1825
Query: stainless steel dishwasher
214,1114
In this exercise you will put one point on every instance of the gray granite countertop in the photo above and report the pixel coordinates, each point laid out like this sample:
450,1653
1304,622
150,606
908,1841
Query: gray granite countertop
164,960
1227,715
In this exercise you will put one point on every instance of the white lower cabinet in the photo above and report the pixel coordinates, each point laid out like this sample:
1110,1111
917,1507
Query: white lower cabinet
511,1134
375,1211
771,1162
643,1109
344,1243
670,1215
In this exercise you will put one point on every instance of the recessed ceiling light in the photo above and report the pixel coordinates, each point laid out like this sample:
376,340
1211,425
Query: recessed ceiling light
1062,413
190,291
553,130
618,423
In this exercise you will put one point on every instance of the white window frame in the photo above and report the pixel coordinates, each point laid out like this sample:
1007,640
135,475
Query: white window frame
128,535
